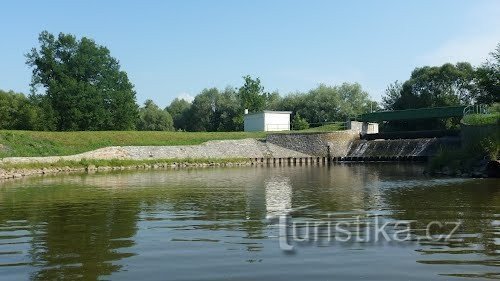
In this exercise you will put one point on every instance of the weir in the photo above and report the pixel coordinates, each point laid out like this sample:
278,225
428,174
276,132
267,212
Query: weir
362,143
399,149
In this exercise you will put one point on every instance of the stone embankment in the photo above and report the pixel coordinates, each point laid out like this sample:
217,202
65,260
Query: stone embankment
221,149
20,173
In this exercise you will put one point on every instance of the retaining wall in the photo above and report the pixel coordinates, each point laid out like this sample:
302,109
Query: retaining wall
331,144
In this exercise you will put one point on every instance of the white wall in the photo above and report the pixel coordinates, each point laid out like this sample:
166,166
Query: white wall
267,121
254,122
277,121
363,127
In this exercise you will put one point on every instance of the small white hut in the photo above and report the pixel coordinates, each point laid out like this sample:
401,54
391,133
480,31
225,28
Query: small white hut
267,121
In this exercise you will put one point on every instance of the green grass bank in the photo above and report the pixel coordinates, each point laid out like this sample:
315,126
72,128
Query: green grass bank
31,143
34,143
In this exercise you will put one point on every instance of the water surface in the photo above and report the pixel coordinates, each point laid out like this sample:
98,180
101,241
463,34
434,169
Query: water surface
221,224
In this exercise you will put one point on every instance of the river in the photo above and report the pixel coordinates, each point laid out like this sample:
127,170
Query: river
251,223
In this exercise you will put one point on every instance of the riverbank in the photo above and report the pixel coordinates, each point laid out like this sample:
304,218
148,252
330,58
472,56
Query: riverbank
20,170
211,153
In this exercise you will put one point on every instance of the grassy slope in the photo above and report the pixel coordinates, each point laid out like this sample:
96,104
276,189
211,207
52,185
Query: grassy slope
326,128
30,143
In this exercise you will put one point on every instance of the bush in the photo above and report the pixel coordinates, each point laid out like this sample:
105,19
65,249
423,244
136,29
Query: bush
482,119
299,123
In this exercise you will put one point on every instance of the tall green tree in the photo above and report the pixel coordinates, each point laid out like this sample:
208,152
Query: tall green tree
203,113
179,109
445,85
252,95
392,94
152,118
488,78
82,83
229,111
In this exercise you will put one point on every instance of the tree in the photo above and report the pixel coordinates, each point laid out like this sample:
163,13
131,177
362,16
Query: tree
82,83
229,111
252,95
17,112
328,103
392,94
299,123
179,109
445,85
203,114
152,118
488,79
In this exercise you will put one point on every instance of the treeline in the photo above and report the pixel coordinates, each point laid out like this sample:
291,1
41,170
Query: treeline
212,110
446,85
78,85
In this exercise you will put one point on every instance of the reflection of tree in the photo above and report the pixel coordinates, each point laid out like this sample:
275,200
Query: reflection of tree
82,225
473,203
77,232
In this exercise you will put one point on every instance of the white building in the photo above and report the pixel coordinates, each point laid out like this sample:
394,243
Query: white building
267,121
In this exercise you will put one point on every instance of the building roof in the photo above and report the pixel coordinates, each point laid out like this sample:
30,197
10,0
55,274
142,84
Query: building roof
269,111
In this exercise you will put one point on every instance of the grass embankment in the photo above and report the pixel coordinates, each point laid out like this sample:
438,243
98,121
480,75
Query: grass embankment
326,128
30,143
86,163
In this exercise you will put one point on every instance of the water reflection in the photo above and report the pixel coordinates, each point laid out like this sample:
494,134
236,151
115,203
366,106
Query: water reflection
278,196
120,225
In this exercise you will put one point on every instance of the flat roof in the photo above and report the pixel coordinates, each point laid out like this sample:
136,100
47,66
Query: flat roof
269,111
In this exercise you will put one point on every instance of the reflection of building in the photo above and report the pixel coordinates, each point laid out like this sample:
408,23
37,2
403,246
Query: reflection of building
267,121
278,196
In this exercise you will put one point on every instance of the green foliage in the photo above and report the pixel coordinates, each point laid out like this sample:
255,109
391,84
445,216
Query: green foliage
179,109
203,112
482,119
152,118
15,111
328,103
463,159
392,95
494,108
336,126
82,84
488,79
446,85
85,163
252,95
491,145
33,143
299,123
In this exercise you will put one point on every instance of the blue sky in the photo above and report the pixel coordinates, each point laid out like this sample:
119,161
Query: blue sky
176,48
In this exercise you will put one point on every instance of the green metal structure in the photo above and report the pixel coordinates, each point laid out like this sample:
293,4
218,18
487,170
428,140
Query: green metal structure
411,114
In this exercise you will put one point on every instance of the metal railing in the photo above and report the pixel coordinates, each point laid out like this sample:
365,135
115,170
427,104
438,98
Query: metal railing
475,109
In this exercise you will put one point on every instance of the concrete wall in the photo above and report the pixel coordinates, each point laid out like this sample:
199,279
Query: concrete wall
333,144
363,127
